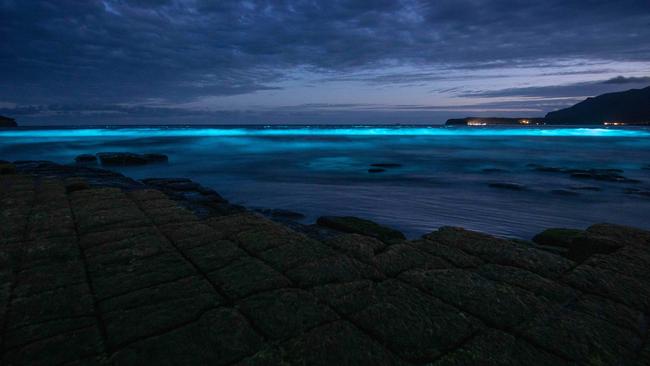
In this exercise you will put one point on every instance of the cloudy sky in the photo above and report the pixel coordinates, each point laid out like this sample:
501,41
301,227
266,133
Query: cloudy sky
318,61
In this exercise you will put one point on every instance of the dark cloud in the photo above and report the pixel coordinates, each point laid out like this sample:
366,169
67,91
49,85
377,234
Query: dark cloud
128,51
630,80
567,91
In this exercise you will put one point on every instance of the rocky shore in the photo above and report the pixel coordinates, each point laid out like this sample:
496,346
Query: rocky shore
100,269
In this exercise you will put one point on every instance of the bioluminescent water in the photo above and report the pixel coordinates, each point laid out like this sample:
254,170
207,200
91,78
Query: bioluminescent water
444,175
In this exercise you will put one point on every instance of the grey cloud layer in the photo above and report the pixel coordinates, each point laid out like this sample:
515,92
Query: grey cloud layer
116,51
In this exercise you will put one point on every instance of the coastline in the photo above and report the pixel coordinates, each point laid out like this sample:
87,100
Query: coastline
128,274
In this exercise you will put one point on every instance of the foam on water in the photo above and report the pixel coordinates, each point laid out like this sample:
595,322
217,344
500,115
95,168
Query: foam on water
330,131
443,179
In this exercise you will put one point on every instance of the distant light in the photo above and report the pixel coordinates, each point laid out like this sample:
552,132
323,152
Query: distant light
476,123
614,123
524,122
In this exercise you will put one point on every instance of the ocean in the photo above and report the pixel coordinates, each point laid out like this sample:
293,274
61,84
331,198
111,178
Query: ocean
506,181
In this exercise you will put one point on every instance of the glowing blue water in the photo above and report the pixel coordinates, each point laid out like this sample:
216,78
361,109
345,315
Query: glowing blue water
443,179
322,131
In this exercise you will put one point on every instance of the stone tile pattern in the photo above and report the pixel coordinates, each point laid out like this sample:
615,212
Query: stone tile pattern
106,277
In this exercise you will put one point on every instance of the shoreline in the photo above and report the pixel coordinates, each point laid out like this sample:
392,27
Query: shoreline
206,202
126,275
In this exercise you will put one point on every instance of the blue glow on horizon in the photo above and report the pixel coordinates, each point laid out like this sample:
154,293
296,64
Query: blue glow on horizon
323,131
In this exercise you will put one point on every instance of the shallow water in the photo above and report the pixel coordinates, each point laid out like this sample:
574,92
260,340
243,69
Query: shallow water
442,180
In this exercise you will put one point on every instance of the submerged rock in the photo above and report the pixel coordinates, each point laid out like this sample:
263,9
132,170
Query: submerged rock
549,169
86,158
557,237
156,158
386,165
279,213
510,186
125,158
355,225
608,175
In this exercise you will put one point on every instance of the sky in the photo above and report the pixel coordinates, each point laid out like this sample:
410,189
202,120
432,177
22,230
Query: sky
306,62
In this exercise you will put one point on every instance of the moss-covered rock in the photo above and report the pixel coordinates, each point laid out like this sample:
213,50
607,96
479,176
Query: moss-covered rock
351,224
558,237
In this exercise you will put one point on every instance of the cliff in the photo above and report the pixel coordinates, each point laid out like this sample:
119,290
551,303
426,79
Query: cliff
629,107
7,122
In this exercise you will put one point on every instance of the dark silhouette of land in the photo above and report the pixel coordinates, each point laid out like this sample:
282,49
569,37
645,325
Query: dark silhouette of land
7,122
630,107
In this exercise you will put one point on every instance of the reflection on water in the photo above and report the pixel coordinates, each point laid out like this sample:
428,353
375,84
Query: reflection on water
443,178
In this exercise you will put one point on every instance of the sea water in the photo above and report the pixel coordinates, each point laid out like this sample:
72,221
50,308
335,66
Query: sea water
443,179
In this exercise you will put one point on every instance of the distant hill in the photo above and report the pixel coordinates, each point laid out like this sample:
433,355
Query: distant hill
7,122
630,107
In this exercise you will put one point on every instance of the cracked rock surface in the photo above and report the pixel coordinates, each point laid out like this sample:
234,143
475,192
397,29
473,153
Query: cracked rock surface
107,276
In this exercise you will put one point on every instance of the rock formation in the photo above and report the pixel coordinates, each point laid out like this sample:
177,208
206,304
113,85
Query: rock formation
96,275
7,122
628,107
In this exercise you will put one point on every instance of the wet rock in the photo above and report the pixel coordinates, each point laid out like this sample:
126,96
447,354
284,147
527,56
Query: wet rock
6,168
220,336
399,258
75,184
607,175
549,169
126,159
241,289
495,303
338,268
86,159
557,237
601,174
363,248
386,165
279,213
590,242
417,326
376,170
585,339
248,276
353,347
355,225
509,186
497,348
282,314
156,158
